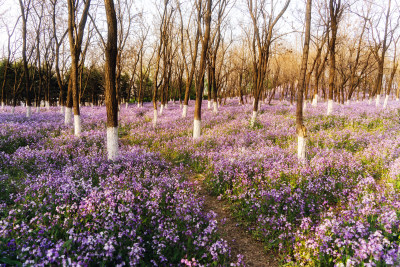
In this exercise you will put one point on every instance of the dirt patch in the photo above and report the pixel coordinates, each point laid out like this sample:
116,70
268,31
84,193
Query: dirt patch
239,240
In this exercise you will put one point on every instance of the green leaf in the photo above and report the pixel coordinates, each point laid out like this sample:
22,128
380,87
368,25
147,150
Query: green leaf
10,262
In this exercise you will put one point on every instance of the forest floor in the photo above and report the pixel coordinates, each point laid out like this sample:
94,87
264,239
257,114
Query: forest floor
239,240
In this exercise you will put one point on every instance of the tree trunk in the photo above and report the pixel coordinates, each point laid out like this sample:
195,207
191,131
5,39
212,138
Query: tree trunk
75,35
300,128
200,78
24,16
332,56
68,108
3,86
110,81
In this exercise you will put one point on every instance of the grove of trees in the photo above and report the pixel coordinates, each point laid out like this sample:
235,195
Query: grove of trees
57,53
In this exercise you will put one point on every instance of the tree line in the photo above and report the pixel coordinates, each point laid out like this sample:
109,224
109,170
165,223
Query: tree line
64,54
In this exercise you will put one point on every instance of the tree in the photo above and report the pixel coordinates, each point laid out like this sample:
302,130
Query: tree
335,13
159,54
10,55
215,42
359,66
300,128
382,47
200,78
124,20
61,81
263,29
193,49
38,27
110,79
393,71
75,34
25,9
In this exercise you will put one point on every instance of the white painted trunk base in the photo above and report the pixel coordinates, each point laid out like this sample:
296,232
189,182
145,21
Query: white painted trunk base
180,106
301,148
196,129
305,105
184,111
377,100
47,103
28,111
347,102
386,101
369,101
208,104
62,109
397,99
126,105
315,101
2,105
37,109
77,125
68,116
13,110
330,107
112,143
166,106
215,108
253,118
155,118
161,109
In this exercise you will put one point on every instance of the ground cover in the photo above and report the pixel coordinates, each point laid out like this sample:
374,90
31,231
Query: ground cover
341,207
63,203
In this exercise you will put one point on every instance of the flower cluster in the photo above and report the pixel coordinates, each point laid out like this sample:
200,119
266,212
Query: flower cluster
71,206
63,203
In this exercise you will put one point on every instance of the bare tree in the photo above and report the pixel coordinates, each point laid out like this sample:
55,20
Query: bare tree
125,22
10,54
335,14
381,47
38,27
215,42
110,79
143,35
75,34
200,79
263,30
61,81
162,56
300,128
393,71
25,6
359,65
193,49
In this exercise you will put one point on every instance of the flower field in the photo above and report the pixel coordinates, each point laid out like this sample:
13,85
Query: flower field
63,203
